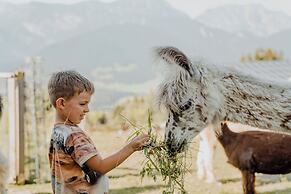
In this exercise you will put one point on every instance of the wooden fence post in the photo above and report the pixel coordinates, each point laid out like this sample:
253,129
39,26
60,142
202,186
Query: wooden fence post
16,126
19,138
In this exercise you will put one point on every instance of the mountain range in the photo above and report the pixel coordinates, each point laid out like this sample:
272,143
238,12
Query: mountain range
112,43
253,19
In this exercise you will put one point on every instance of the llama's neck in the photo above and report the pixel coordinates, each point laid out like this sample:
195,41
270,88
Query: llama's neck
254,103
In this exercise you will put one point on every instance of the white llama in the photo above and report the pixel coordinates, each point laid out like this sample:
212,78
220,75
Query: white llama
196,96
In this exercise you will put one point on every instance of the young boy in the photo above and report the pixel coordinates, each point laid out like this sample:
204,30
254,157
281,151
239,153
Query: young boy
76,165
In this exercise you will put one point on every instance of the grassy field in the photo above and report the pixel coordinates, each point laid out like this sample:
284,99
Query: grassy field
126,180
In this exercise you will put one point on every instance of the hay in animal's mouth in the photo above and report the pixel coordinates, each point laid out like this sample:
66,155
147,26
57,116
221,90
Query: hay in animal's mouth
174,150
162,163
171,167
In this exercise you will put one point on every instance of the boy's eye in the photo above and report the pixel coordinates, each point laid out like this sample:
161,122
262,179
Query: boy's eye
82,104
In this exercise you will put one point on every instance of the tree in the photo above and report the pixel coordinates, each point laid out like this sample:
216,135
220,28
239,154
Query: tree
262,55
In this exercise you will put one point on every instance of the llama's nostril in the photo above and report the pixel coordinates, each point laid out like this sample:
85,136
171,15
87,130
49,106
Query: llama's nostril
171,149
182,146
172,152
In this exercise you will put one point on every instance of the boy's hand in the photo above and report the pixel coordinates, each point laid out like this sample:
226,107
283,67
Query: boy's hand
139,142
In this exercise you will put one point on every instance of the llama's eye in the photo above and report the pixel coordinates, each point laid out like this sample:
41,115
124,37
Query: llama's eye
186,106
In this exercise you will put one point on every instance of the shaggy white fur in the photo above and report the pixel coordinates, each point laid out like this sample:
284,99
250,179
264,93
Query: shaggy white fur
197,95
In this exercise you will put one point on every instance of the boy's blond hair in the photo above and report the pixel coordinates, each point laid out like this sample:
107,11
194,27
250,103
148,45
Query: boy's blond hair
65,84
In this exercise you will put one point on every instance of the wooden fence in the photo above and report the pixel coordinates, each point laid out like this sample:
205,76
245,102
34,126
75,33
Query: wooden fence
16,125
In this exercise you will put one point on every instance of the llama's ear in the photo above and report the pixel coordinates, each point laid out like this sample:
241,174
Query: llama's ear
173,55
175,88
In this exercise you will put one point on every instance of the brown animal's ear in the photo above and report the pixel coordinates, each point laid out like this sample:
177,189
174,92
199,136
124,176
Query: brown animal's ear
224,125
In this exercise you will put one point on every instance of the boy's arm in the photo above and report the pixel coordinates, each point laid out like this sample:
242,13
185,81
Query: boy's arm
103,166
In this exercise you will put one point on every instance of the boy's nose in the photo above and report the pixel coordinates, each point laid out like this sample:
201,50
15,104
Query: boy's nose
86,109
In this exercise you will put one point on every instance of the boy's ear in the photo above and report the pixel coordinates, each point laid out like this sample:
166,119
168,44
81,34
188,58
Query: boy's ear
60,103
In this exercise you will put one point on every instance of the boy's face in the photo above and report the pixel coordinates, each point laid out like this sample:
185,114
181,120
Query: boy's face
73,110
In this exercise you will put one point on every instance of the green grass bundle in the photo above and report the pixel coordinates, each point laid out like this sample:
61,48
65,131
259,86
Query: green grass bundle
159,163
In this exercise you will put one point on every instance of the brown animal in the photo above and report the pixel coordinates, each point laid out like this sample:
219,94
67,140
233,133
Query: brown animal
256,151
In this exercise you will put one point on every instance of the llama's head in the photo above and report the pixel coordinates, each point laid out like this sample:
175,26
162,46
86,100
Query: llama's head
184,95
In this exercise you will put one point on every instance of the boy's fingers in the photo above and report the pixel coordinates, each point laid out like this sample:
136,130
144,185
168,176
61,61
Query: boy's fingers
145,140
142,141
146,143
144,136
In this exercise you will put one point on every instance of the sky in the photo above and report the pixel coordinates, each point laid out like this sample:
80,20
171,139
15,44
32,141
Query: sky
194,7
